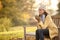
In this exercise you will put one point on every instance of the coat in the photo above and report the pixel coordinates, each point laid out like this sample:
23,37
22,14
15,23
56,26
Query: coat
48,23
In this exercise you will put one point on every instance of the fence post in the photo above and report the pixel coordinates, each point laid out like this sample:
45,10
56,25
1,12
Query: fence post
24,32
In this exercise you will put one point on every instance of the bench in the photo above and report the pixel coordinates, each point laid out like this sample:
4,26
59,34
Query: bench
31,36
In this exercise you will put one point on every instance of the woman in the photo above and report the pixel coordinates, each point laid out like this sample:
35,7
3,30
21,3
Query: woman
45,25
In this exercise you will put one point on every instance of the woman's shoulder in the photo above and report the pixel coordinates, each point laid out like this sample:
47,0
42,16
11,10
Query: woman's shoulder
48,16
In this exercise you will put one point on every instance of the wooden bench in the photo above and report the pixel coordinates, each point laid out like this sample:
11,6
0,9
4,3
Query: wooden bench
31,36
56,20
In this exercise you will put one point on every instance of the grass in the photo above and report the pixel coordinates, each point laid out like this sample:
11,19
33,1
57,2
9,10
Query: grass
16,32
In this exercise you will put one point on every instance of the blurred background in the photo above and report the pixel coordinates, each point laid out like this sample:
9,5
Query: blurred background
17,12
14,13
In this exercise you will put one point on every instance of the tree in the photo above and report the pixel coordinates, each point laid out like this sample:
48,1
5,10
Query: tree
13,10
59,8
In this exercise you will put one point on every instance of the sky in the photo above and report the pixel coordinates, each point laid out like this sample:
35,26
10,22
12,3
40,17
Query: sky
51,4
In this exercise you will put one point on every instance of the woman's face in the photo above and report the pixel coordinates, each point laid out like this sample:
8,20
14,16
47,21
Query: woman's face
41,11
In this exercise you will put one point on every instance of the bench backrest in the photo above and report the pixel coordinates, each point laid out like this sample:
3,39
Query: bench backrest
56,20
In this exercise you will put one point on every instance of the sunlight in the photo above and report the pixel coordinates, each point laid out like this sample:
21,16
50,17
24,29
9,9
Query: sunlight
54,4
50,4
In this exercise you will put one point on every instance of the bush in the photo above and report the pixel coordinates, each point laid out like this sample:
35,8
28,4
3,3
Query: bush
5,23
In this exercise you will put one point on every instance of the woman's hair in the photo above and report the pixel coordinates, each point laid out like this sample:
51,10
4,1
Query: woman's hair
45,13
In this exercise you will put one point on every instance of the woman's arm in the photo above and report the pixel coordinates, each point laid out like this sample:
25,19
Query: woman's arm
44,25
38,20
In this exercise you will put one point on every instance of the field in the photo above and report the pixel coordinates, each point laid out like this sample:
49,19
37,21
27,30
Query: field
16,32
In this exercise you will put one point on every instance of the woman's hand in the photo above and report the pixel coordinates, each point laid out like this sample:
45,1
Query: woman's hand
37,18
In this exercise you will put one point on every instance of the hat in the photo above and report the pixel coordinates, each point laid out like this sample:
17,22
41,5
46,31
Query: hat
42,6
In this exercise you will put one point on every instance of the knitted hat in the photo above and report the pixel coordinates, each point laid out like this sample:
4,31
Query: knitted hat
42,6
